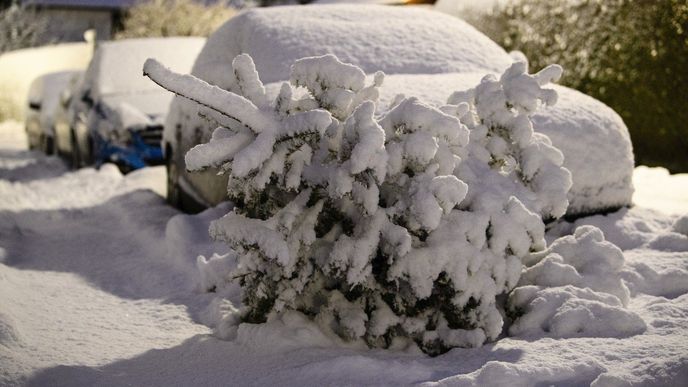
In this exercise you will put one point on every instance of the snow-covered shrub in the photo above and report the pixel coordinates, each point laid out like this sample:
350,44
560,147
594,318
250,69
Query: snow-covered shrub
574,288
21,27
358,219
505,156
160,18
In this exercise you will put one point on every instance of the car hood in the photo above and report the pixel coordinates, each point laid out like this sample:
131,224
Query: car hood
142,109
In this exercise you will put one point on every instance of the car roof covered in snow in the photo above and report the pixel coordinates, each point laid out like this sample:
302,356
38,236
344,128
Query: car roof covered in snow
117,67
50,85
374,37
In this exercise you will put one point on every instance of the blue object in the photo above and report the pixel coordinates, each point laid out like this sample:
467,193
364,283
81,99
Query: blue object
135,155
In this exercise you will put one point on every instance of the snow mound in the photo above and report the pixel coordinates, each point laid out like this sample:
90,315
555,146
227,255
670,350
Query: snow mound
19,165
289,331
50,318
653,248
276,37
83,188
496,373
186,238
635,228
681,225
570,311
584,259
663,274
574,288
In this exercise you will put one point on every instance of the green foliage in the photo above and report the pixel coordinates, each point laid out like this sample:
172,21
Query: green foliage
159,18
630,54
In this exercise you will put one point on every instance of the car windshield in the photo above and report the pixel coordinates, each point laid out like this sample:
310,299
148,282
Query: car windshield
152,104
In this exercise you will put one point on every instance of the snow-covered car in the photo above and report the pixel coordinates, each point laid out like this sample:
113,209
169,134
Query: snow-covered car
423,53
117,115
45,96
63,135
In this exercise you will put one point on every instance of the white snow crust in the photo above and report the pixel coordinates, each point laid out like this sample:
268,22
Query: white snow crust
276,37
106,294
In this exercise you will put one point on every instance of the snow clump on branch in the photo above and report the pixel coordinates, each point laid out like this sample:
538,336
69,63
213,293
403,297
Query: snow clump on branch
380,225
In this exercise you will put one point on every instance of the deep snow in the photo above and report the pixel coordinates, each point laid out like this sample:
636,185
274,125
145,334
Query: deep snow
98,286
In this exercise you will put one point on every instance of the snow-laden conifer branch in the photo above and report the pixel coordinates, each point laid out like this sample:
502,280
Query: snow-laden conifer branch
229,104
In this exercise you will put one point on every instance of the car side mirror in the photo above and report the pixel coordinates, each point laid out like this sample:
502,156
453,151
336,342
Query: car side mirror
34,105
86,97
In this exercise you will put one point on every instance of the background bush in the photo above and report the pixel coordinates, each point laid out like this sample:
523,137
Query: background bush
19,27
630,54
156,18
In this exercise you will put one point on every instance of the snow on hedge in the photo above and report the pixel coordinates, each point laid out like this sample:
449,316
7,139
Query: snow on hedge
401,225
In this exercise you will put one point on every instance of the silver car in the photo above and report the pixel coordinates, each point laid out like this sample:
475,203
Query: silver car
46,95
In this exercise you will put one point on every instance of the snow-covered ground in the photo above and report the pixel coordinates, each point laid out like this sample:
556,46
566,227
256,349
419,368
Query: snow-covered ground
98,286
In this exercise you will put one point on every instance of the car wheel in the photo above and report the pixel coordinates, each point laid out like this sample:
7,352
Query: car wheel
88,157
75,159
47,145
173,189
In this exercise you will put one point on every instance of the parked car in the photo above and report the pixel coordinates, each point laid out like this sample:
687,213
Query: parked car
43,102
62,121
118,113
425,54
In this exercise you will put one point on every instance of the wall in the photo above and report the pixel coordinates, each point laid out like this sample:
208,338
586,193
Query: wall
19,68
